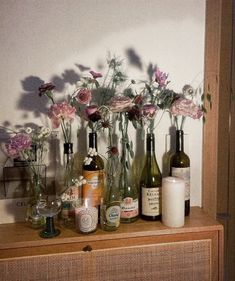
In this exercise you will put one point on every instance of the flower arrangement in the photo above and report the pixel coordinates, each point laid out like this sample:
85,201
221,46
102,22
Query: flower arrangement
94,93
30,146
152,97
61,113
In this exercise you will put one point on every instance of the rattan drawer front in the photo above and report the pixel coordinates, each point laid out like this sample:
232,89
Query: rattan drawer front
189,261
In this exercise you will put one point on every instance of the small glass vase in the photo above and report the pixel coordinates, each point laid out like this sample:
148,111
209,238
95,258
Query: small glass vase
33,217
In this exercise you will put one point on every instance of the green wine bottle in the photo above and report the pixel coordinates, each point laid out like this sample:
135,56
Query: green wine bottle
150,184
180,167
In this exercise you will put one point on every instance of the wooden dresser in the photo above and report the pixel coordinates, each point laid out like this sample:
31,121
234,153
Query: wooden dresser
140,251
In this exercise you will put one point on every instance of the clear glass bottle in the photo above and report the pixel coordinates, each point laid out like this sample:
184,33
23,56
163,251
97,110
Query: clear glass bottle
93,173
111,201
71,191
180,167
129,193
150,184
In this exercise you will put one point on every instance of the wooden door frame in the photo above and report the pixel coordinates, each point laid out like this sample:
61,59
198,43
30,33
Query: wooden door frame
218,178
217,81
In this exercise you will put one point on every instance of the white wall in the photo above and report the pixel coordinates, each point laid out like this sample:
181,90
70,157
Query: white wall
47,39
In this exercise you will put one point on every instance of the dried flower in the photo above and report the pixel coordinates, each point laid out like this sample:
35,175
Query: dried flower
112,151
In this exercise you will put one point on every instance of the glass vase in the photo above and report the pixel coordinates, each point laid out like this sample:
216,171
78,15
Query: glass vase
71,192
33,217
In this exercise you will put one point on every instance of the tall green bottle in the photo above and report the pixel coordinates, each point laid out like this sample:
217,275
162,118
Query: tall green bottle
150,184
180,167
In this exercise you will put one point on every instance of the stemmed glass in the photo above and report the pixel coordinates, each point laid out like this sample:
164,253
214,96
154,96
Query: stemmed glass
48,206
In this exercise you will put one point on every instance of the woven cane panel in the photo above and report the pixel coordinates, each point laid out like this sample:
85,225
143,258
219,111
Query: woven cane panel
182,261
24,269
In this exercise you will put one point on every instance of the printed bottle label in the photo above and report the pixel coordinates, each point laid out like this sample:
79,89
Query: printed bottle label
93,187
151,201
183,173
113,215
129,208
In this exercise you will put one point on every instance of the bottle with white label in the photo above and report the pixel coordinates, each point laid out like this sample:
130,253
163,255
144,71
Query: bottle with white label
111,201
129,196
180,167
150,184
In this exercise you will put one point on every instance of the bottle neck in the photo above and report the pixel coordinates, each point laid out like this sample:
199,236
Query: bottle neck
179,140
93,140
150,144
68,148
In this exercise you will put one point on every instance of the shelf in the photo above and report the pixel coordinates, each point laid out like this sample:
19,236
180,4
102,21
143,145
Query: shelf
17,235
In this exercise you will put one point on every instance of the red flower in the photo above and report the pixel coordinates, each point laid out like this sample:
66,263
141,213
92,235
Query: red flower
113,150
92,113
47,87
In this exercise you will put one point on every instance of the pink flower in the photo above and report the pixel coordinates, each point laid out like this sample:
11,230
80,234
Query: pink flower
84,96
92,113
95,74
17,144
149,111
186,107
161,77
61,111
120,103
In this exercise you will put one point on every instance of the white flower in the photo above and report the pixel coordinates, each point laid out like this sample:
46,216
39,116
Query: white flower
28,130
92,152
87,160
65,197
45,131
80,181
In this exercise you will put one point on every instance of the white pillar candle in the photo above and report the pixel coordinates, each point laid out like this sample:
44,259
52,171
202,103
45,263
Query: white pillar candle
173,201
86,218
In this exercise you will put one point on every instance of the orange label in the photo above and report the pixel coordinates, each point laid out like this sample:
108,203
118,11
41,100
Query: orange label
93,188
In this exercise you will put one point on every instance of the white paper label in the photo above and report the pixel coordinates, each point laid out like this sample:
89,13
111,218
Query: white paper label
151,201
113,215
183,173
129,208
